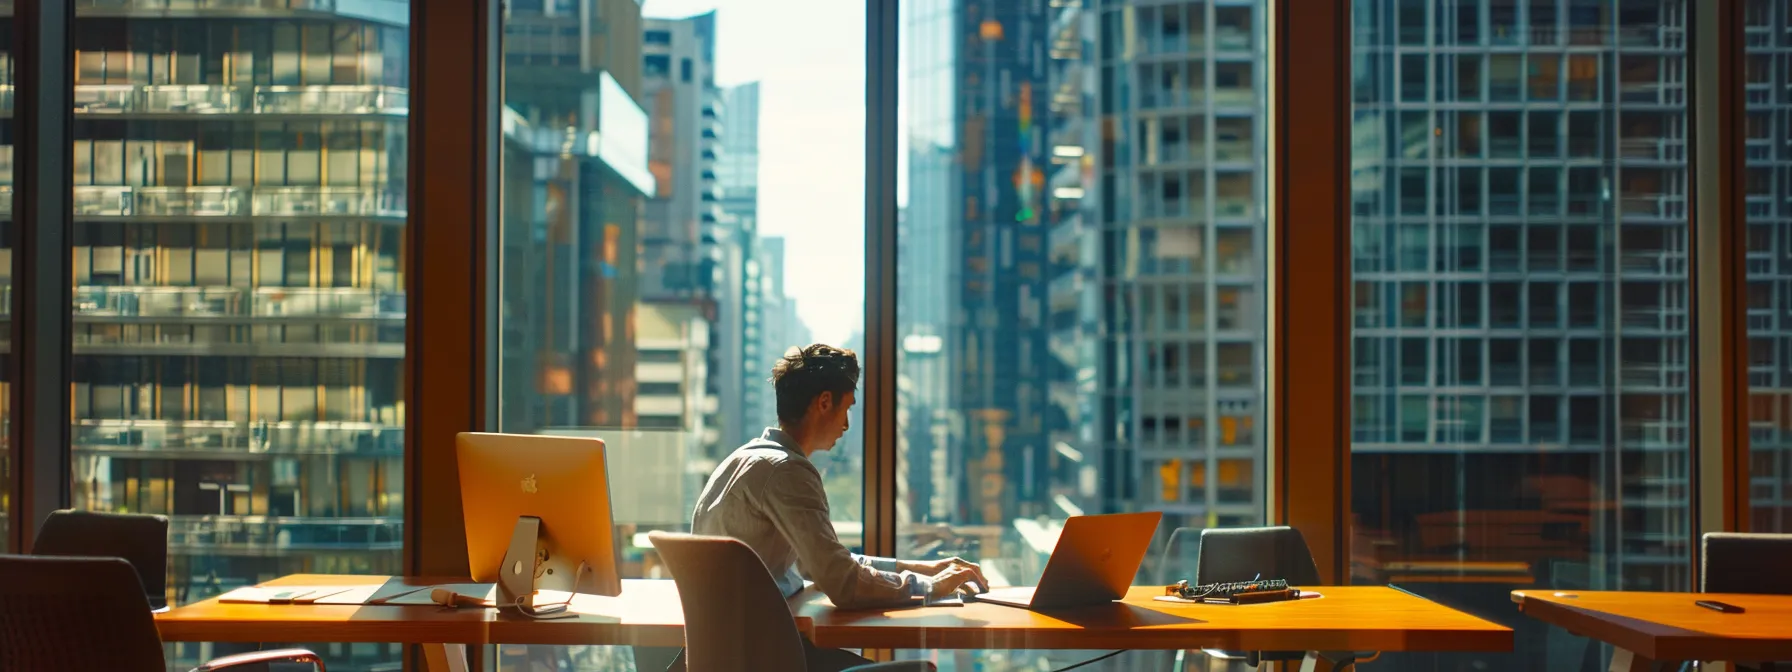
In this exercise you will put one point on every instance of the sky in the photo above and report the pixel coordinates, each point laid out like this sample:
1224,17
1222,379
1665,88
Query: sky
811,140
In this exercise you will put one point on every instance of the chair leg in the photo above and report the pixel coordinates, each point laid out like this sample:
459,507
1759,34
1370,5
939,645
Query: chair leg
445,657
1623,660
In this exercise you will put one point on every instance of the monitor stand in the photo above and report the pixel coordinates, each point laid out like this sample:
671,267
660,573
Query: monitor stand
516,576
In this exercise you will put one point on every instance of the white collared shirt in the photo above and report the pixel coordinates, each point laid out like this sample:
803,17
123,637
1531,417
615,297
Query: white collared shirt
769,496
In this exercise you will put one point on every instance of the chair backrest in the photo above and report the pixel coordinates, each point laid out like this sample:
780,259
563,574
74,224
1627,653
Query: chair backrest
1180,556
141,539
735,618
1735,562
1243,554
60,613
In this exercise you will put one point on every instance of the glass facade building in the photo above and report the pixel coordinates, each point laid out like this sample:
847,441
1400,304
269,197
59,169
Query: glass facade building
239,299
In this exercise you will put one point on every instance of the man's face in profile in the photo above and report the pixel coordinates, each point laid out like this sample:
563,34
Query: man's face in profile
834,420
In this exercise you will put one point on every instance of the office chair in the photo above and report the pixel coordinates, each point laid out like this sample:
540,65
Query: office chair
63,613
1737,562
735,619
140,539
1244,554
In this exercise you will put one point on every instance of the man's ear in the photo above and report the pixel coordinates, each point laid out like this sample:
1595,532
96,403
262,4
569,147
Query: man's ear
824,402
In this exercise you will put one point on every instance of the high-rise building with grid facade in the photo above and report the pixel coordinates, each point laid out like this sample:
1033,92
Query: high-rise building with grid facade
1176,199
686,243
238,246
1521,289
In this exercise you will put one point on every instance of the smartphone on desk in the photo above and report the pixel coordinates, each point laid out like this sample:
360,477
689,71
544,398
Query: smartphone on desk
1724,607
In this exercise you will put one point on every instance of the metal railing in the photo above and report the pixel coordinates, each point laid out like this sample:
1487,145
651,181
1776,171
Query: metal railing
214,301
332,99
345,201
202,533
207,201
201,99
296,5
228,437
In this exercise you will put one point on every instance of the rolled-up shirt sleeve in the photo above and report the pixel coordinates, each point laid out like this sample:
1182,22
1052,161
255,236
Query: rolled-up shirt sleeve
798,506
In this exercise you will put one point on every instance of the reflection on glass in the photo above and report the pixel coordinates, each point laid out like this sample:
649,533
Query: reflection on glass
647,242
6,228
1080,276
239,214
1768,298
1543,169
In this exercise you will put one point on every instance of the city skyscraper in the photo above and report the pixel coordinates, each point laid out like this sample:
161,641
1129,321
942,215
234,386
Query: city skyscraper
1521,266
1178,198
1522,345
239,216
977,162
687,245
575,182
738,173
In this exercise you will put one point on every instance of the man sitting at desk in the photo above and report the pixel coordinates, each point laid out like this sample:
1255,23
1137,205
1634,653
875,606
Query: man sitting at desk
768,495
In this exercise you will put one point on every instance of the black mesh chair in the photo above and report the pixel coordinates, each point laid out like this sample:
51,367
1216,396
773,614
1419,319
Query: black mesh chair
141,539
1246,554
1734,562
735,619
64,613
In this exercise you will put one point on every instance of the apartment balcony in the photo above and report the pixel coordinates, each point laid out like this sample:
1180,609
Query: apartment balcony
97,304
332,99
1652,207
1652,375
1654,319
1064,291
231,440
205,202
390,12
270,535
1197,100
327,201
1237,150
222,99
1231,40
1067,22
1672,264
1653,150
1653,434
1234,208
148,344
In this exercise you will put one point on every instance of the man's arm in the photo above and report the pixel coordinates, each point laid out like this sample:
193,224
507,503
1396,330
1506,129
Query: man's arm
798,507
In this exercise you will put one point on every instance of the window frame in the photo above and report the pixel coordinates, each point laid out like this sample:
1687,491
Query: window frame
450,376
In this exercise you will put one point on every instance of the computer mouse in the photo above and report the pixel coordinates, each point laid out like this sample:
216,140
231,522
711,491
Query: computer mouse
972,588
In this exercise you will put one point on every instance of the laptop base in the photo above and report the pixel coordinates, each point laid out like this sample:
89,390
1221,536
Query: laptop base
1021,598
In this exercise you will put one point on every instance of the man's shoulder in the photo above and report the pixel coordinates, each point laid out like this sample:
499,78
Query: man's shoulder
758,454
762,455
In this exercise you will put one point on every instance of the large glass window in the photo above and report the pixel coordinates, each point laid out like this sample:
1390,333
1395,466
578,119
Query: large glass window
6,232
682,198
1564,463
1080,277
1768,297
239,306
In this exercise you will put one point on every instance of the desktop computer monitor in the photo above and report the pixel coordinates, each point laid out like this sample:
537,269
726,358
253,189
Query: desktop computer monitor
558,489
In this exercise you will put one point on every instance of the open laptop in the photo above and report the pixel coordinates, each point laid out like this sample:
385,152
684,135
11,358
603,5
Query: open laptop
1094,563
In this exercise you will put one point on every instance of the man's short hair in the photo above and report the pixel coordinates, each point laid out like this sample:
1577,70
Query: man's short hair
804,373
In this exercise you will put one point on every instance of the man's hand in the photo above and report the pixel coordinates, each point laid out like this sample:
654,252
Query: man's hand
939,568
953,579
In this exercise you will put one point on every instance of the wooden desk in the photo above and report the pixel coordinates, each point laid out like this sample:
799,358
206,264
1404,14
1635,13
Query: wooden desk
646,614
1359,618
1661,627
212,621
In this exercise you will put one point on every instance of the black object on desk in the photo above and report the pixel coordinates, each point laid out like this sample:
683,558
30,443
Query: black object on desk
1724,607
